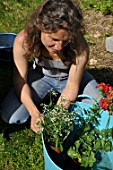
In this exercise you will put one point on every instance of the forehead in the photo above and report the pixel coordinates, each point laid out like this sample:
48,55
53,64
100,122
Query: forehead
60,34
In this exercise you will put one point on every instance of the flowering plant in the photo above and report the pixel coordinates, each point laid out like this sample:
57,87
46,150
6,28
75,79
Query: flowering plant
106,102
57,123
93,139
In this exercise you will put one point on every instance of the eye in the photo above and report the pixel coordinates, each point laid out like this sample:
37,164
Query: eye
54,39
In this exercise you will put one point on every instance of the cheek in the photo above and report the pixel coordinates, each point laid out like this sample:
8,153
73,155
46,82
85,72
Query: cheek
46,41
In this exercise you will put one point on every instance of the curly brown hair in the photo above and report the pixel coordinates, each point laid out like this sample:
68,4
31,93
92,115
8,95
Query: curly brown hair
52,15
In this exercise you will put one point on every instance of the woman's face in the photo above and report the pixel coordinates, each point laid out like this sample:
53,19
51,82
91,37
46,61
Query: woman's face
55,41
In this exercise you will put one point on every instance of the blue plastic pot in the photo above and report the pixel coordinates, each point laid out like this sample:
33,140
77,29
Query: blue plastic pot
104,114
6,62
7,40
50,165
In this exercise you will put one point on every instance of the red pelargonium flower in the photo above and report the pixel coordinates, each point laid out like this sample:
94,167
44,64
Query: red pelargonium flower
106,103
100,86
106,88
103,87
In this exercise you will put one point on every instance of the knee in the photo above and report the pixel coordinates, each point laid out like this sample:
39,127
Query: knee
91,90
14,117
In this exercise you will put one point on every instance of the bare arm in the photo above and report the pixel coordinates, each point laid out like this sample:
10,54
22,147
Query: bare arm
75,75
20,76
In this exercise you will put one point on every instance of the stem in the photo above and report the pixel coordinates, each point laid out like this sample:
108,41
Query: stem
107,124
98,96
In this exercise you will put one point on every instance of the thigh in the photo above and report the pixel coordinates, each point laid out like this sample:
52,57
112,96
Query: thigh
57,84
61,84
40,89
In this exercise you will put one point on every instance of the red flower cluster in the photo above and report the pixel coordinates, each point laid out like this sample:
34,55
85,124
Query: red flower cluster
106,102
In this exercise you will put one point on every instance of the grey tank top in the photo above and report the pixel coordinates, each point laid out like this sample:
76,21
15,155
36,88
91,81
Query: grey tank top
52,68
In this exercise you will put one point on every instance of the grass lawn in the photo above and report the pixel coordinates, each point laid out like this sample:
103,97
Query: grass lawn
20,147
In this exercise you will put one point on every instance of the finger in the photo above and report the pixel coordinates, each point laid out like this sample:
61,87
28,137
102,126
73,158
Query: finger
36,128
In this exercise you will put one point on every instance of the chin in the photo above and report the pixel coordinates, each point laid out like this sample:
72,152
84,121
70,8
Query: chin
53,51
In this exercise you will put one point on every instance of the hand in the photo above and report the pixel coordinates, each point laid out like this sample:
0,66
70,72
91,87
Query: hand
34,119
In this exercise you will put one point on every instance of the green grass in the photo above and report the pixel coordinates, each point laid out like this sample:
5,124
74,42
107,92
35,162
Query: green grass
20,147
14,14
105,6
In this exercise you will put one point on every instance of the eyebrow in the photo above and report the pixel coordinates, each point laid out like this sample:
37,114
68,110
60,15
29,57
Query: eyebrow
57,39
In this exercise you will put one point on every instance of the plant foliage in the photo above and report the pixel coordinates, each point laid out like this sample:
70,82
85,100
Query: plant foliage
57,123
105,6
93,138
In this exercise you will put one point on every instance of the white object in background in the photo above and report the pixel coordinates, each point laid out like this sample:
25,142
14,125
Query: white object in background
109,44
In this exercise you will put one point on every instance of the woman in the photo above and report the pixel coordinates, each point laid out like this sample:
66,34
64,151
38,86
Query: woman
53,37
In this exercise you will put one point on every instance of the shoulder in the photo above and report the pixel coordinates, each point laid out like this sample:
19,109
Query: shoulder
83,54
20,38
82,57
84,48
19,47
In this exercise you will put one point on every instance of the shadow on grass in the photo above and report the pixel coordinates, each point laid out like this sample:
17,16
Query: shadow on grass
102,75
7,129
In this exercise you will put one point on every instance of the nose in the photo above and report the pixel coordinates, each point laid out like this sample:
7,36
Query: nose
58,45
